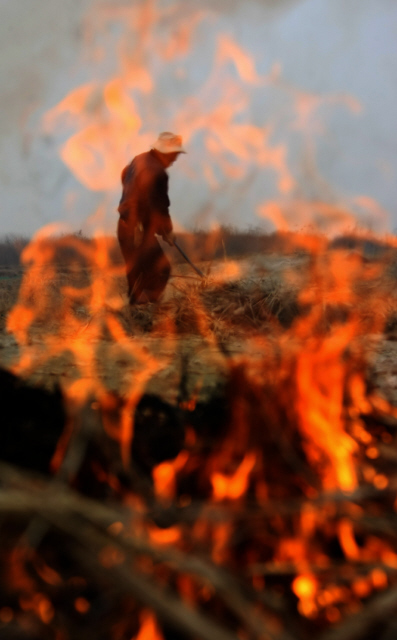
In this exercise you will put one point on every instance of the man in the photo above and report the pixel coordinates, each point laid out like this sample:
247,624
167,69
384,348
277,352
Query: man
144,213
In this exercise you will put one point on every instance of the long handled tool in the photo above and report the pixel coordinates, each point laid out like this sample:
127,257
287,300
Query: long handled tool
183,254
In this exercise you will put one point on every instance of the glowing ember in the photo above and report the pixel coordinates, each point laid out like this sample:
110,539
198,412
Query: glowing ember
305,587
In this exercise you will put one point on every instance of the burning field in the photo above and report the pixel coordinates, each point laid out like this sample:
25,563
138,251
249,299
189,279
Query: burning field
218,466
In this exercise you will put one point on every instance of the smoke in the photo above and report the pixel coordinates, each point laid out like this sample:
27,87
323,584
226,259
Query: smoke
243,81
270,7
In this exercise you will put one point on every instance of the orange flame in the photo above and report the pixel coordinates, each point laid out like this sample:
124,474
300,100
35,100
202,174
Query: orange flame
111,125
234,486
347,539
164,476
77,335
320,377
149,628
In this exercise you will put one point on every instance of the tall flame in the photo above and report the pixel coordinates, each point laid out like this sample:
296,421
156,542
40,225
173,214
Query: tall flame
154,84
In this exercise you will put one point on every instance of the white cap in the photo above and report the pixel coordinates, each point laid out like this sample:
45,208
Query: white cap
168,142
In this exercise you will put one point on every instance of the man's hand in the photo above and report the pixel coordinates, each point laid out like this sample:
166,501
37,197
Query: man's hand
169,238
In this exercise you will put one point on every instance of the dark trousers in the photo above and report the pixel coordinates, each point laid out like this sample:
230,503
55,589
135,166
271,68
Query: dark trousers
147,266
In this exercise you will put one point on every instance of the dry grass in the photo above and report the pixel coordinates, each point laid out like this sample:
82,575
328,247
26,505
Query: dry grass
10,280
267,294
75,289
267,298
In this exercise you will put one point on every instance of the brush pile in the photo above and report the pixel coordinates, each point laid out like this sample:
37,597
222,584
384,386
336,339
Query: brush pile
263,508
232,518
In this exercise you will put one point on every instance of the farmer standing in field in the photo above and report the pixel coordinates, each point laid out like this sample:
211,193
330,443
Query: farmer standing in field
144,213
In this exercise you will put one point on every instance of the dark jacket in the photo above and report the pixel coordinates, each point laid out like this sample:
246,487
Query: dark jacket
145,195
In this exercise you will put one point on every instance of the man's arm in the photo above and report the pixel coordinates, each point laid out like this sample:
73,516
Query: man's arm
126,181
169,238
160,208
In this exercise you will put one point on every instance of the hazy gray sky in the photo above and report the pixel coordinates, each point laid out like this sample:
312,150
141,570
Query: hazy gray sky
287,109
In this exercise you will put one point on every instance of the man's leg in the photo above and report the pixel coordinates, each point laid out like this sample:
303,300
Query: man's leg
131,259
156,270
147,267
